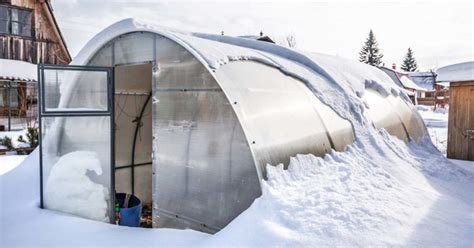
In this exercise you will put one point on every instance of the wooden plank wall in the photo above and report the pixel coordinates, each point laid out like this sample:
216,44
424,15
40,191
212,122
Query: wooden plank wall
44,47
18,48
461,119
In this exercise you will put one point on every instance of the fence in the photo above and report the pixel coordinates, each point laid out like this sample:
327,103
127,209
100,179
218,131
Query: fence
18,105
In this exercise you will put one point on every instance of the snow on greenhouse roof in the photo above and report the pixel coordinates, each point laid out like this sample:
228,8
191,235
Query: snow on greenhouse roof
337,82
17,70
216,50
456,73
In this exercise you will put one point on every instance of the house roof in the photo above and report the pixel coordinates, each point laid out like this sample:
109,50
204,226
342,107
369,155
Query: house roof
461,72
56,26
18,70
256,37
401,78
424,79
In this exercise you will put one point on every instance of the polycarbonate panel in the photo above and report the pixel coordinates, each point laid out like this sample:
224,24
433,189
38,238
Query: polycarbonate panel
204,173
383,114
339,130
133,48
178,65
103,57
87,90
76,165
413,123
279,114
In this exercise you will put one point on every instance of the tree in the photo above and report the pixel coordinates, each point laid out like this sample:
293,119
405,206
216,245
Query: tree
291,40
288,40
370,53
409,62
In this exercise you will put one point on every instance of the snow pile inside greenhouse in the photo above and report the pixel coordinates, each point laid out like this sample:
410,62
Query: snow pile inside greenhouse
379,192
69,188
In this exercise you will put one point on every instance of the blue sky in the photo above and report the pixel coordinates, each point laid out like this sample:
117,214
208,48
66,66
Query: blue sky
439,32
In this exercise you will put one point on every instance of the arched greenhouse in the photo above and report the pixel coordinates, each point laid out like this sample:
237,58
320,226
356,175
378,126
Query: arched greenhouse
188,122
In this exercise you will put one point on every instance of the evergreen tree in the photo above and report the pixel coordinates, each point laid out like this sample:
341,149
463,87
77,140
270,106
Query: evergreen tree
370,53
409,62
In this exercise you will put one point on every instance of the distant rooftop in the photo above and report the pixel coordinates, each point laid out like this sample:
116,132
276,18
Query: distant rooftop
256,37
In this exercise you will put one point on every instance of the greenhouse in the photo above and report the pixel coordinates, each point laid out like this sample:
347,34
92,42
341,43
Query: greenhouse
188,122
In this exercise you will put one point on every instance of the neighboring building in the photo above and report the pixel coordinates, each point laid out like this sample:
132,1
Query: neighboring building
401,79
425,79
28,33
437,94
461,109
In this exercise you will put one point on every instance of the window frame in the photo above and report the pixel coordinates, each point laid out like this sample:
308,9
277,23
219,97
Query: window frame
18,22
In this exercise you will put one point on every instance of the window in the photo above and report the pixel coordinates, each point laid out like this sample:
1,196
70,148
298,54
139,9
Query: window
15,21
4,17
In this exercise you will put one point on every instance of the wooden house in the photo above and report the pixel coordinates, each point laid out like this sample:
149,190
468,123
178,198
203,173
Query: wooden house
28,33
461,109
401,79
435,93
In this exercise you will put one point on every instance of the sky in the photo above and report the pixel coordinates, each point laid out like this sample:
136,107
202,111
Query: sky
439,32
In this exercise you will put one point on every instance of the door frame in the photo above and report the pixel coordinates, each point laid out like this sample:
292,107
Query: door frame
110,112
132,165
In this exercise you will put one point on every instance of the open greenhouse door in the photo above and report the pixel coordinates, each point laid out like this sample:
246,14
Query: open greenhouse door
133,130
76,136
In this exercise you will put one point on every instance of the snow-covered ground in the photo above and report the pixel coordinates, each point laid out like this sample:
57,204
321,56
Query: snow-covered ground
410,196
10,162
436,122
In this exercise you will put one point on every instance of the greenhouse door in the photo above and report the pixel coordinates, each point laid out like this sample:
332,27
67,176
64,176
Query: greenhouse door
76,110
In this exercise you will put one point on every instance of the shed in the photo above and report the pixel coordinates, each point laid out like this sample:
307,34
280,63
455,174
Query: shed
189,122
461,109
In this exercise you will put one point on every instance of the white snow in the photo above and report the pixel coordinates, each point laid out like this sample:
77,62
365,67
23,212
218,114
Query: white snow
379,192
216,50
24,224
456,73
69,189
466,165
408,83
424,79
10,162
14,135
436,122
18,70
